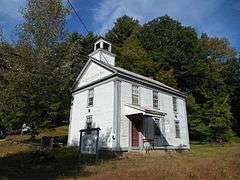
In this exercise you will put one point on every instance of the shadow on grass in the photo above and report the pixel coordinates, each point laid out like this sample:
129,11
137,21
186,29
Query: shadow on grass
57,139
60,162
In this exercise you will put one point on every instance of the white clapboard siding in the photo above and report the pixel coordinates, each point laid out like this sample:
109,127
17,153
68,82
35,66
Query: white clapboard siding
126,98
93,73
112,93
102,112
165,105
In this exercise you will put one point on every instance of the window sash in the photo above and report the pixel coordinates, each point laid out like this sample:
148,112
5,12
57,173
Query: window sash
157,130
90,97
155,99
177,129
89,122
135,99
174,104
135,95
90,101
163,126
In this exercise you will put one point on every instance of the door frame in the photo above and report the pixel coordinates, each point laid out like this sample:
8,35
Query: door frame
140,119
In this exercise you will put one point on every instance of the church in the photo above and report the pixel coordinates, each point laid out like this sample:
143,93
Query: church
129,108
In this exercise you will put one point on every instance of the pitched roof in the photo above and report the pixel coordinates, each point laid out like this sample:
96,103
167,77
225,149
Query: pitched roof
121,71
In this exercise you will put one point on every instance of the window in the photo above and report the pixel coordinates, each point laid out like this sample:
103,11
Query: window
135,95
155,99
163,126
89,122
177,129
106,46
157,127
90,97
97,46
174,104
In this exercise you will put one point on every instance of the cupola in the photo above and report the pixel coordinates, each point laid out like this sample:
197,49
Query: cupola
102,52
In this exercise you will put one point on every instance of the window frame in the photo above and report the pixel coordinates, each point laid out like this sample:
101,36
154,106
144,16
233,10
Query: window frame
175,106
177,130
157,127
90,96
98,45
106,46
136,95
163,128
89,119
155,99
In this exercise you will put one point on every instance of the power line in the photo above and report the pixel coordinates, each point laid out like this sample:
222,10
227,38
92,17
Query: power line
78,16
85,27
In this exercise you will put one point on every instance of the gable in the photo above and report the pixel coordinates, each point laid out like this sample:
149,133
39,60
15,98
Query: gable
92,72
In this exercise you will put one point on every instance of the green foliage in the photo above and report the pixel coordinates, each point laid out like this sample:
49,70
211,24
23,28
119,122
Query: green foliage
197,119
37,72
173,54
40,70
233,81
133,57
167,77
217,48
124,27
44,23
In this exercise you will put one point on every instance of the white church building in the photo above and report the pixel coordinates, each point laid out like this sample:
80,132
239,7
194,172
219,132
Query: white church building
128,108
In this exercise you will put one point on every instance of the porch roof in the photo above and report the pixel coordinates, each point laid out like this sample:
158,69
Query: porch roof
146,111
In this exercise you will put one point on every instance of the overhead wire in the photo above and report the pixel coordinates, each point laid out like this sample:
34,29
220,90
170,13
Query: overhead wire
78,16
85,27
83,24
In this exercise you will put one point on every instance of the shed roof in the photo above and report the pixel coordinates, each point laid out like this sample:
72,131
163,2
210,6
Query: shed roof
146,111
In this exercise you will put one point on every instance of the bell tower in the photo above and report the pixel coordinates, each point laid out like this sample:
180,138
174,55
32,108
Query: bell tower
102,52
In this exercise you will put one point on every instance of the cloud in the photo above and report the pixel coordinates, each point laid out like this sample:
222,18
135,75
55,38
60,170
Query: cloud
10,9
189,12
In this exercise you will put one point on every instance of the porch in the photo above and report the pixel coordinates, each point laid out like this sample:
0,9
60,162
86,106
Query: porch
147,126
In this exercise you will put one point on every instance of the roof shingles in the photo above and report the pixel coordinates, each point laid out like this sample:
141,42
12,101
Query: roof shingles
138,76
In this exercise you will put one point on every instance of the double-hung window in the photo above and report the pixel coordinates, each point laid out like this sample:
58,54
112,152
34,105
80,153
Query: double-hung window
177,129
135,95
155,100
163,126
90,97
157,131
89,122
174,99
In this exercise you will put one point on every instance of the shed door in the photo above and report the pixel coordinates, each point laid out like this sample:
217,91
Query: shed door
135,132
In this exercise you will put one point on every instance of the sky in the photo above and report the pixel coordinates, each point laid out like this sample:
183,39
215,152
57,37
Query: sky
217,18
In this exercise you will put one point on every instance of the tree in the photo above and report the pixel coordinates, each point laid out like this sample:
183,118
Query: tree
132,56
44,23
123,28
38,92
7,56
166,77
216,48
233,81
75,50
198,120
36,73
173,54
171,45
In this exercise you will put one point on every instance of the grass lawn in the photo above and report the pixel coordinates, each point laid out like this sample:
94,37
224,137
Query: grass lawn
19,159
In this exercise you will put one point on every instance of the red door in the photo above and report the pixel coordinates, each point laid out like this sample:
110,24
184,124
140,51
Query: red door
135,133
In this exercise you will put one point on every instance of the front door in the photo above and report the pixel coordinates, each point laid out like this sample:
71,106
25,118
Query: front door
135,132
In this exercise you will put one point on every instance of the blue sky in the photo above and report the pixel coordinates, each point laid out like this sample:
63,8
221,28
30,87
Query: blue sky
219,18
